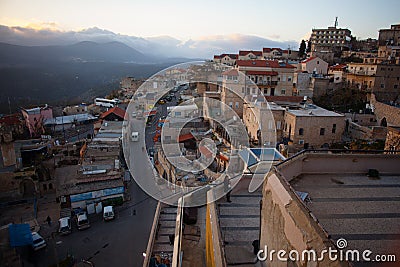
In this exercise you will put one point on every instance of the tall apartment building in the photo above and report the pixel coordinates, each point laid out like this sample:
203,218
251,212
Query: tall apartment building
328,43
332,36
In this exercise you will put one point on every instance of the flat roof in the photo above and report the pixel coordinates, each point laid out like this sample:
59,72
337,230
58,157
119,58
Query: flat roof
313,111
347,202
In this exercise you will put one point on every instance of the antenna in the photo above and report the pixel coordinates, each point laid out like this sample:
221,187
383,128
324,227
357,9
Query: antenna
336,22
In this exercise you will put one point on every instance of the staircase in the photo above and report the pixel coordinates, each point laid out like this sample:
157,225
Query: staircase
166,227
240,226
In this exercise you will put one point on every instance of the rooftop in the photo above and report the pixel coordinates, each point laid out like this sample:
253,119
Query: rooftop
311,110
70,119
347,202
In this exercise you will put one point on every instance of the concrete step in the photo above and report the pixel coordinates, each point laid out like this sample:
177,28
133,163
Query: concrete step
239,211
167,224
245,236
240,256
163,247
167,217
239,222
166,231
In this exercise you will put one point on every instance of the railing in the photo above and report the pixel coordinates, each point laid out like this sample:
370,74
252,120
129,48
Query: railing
177,255
152,237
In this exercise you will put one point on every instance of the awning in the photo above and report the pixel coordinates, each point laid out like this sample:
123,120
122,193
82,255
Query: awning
20,235
185,137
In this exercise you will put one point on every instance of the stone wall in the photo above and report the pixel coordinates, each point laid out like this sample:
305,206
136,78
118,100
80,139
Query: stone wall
383,111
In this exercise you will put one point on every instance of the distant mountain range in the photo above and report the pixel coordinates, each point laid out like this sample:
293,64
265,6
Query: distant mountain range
58,67
159,46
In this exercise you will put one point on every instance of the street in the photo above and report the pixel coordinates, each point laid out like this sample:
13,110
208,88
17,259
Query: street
119,242
122,241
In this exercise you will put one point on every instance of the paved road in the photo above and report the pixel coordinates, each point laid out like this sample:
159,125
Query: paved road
120,242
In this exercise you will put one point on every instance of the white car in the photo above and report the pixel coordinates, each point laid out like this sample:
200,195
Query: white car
65,226
82,221
38,241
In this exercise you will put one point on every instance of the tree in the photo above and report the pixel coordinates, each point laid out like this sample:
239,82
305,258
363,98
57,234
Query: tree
302,49
309,46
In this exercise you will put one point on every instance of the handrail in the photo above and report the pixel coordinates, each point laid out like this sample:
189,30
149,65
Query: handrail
177,252
152,236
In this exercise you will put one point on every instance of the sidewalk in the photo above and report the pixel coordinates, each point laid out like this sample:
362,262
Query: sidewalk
47,206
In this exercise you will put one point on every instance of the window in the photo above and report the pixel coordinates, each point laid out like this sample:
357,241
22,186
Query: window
395,86
242,90
301,142
382,85
334,128
270,124
178,114
301,131
283,92
322,131
237,105
289,79
230,104
317,61
278,125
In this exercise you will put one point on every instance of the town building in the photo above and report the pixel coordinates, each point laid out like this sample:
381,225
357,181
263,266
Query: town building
35,117
389,44
338,73
278,53
113,114
314,65
263,121
319,198
310,126
227,59
273,77
250,55
382,79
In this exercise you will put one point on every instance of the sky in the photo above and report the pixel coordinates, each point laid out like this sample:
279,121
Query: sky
276,20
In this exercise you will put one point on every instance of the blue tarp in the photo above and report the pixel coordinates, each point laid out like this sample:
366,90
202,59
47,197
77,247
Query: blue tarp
20,235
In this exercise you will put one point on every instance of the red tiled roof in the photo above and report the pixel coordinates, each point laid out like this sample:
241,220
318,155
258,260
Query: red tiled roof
231,72
259,72
308,59
116,110
338,67
12,119
264,63
185,137
282,98
266,50
232,56
246,52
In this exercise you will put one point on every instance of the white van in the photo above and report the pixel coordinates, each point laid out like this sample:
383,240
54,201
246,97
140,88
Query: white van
82,221
135,136
108,213
65,226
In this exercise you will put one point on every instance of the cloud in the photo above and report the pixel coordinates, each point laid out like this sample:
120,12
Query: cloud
202,47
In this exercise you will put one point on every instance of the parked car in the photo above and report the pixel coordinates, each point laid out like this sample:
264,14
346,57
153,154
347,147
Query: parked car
108,213
38,241
82,221
64,226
